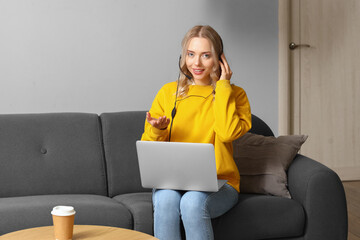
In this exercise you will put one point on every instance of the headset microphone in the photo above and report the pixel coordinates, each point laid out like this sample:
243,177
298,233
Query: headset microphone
187,76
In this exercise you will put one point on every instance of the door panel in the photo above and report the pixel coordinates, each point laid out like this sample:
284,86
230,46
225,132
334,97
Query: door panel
325,80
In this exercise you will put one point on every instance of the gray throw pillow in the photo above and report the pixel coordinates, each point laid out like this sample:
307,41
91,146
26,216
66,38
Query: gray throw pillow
263,162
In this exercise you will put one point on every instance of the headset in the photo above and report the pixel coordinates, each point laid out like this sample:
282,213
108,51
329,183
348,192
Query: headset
173,112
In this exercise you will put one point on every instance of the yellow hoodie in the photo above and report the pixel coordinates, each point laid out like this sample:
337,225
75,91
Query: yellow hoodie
201,119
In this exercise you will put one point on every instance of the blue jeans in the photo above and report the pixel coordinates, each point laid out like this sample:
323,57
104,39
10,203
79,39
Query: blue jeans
195,210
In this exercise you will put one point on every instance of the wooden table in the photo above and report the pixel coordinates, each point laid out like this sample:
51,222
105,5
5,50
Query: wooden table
89,232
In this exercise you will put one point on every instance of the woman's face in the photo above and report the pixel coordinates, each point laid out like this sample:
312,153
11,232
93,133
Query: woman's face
200,60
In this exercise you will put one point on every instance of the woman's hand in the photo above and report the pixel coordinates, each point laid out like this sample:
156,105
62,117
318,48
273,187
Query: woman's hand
226,72
160,123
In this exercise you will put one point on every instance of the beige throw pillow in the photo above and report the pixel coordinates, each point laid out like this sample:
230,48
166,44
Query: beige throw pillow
263,162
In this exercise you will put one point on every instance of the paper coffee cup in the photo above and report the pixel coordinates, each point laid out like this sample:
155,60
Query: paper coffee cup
63,219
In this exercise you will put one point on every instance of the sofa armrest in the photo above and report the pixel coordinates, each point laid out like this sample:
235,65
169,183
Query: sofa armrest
322,196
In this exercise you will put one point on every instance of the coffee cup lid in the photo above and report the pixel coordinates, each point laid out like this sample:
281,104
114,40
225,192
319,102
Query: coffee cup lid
63,211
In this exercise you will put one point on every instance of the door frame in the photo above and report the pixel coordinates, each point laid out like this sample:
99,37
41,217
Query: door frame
289,77
284,81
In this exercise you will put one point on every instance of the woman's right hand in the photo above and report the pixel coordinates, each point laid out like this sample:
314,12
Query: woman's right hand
226,72
159,123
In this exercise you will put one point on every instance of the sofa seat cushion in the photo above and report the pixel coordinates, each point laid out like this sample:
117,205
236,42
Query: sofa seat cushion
140,206
34,211
261,217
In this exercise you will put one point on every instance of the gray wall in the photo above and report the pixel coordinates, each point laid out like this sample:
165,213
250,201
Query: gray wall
106,55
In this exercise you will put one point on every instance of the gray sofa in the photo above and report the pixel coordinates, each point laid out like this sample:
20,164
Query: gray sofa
90,162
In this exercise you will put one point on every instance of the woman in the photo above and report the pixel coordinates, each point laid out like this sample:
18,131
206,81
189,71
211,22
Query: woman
208,110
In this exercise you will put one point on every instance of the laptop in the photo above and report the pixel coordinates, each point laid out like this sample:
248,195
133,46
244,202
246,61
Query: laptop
178,166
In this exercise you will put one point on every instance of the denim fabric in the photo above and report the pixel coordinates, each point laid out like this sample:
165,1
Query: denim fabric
195,210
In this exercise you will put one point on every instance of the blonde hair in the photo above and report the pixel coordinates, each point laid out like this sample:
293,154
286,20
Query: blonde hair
216,50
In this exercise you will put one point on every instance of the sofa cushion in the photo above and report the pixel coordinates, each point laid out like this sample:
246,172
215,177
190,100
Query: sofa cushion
54,153
261,217
34,211
263,162
140,206
120,132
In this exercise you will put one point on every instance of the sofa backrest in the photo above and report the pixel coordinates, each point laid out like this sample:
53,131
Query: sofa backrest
53,153
120,132
260,127
63,153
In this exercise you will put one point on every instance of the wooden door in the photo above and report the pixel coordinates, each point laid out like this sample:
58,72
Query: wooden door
320,87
